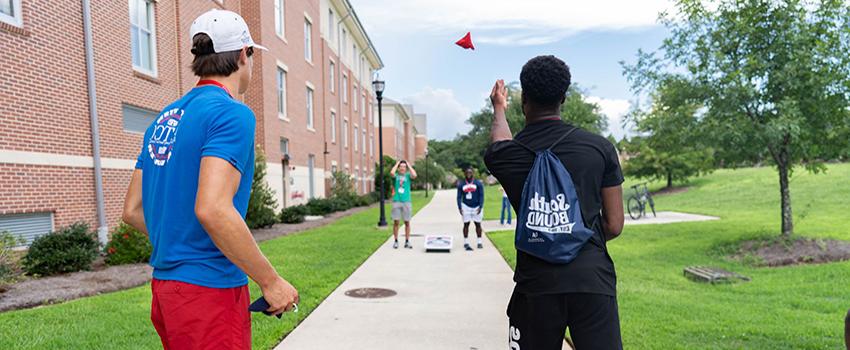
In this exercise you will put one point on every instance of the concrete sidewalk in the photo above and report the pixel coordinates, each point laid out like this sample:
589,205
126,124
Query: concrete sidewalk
451,300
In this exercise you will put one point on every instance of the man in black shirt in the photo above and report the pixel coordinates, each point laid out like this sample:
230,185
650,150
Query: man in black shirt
581,295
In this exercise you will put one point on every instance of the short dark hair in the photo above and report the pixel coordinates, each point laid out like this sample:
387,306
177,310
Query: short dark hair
207,62
545,80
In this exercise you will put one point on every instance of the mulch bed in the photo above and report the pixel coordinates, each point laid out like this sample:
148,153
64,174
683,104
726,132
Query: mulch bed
32,292
782,252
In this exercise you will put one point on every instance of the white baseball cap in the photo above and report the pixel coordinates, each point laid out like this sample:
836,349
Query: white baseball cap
227,30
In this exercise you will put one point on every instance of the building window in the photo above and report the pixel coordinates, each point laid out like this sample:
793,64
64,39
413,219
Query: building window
345,133
363,142
284,146
143,36
344,38
355,138
363,105
354,55
137,119
332,75
372,145
308,40
26,226
309,108
331,25
279,17
333,127
10,12
311,164
344,88
354,97
281,92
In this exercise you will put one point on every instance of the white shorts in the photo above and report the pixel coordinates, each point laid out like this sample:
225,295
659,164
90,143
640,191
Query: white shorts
471,214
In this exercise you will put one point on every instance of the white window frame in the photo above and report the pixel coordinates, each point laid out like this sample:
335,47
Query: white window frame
362,104
345,132
356,139
344,38
344,88
308,39
151,7
310,99
17,18
331,25
333,126
282,68
332,74
280,18
363,141
371,144
354,96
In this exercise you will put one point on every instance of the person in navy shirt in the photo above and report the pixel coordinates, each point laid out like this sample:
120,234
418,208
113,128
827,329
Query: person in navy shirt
189,194
470,204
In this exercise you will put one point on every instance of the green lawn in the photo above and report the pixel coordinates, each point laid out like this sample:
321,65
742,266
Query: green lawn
315,262
493,203
797,307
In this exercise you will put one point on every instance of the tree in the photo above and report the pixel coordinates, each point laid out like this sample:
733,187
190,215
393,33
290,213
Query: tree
389,162
432,173
671,147
261,204
773,77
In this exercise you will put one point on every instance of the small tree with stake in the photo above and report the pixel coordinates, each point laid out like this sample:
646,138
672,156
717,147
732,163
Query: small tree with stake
774,76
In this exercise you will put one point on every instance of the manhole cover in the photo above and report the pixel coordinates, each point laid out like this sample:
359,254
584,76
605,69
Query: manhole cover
370,293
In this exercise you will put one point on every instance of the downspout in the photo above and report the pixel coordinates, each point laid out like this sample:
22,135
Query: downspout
103,227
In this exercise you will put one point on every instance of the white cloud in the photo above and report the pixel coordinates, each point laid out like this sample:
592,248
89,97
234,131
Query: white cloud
446,115
529,22
614,110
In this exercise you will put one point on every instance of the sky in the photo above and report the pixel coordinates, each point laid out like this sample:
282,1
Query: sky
423,67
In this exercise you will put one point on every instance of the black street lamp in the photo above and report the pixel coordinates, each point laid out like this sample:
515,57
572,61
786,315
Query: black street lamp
427,179
378,85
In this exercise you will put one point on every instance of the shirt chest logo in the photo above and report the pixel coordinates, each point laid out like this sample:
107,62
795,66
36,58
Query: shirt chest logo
164,135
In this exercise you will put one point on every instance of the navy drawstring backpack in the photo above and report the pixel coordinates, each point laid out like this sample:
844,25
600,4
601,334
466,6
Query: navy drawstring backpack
550,224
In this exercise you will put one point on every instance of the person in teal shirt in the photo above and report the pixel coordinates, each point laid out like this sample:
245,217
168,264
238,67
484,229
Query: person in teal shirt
402,208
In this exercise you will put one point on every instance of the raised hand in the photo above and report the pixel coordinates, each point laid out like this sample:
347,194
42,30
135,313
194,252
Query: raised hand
499,95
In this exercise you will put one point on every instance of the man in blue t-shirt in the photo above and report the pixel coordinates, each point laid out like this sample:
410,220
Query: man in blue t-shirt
470,204
189,194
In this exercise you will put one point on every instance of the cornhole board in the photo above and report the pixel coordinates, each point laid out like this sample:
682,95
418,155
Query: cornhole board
438,243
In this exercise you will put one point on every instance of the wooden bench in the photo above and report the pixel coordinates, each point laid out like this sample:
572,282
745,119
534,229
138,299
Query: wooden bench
712,275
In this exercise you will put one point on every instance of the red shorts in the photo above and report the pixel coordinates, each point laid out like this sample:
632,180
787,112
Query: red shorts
188,316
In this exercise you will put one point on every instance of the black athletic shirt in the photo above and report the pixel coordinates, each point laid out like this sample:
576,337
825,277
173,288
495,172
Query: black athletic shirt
593,164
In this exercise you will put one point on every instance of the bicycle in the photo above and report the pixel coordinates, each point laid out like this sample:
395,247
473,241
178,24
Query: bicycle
637,202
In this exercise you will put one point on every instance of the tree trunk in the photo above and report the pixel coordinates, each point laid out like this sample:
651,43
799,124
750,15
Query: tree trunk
785,193
669,179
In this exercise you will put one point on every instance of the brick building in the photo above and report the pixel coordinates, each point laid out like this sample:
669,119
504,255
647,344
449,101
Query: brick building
404,131
311,94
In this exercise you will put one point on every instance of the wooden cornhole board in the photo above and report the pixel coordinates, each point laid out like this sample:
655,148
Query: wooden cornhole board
438,243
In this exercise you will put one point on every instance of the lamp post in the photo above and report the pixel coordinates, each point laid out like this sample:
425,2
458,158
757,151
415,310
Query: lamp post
427,179
378,85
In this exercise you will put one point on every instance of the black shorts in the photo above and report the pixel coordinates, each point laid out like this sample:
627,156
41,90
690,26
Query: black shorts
539,322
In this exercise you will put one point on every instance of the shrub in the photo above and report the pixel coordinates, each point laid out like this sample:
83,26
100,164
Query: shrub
293,215
8,241
127,246
320,206
261,204
366,199
343,185
70,249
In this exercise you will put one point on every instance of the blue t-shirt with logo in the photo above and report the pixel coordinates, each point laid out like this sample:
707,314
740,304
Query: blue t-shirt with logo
206,122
